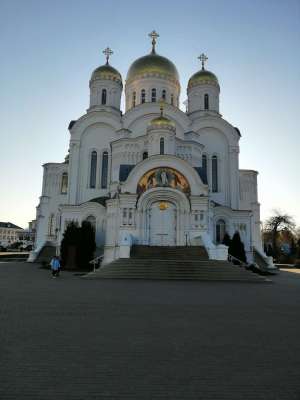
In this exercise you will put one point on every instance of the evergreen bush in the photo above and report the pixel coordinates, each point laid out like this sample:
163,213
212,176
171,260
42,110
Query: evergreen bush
236,248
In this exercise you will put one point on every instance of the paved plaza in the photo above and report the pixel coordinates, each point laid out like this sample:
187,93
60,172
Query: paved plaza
71,338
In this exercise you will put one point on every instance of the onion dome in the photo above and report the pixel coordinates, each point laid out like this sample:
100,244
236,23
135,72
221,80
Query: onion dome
203,76
161,122
153,65
106,71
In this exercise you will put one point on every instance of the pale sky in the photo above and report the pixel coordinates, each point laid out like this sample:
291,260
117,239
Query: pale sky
49,50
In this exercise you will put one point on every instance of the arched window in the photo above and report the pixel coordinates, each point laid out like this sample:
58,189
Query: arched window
93,171
133,99
145,155
64,183
204,165
153,95
104,172
220,230
51,225
172,99
214,170
206,102
164,94
143,96
162,146
103,96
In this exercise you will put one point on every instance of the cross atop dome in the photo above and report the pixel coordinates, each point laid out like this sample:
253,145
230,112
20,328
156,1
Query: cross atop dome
154,35
203,58
107,52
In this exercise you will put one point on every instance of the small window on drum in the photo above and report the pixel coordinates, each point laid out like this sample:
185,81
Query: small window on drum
164,94
206,102
162,146
153,95
103,96
143,96
133,99
145,155
172,99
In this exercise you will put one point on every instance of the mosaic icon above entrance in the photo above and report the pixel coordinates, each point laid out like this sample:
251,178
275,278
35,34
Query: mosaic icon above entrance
163,177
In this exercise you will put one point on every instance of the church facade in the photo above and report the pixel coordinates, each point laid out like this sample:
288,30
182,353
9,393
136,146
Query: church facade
153,175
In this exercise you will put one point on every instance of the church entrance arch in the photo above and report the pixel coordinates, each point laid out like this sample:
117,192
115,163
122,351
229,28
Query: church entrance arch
163,217
162,224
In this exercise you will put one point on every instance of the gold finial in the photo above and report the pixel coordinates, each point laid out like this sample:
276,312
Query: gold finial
203,58
154,35
161,106
107,52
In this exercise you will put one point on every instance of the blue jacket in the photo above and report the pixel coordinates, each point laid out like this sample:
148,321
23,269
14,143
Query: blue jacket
55,264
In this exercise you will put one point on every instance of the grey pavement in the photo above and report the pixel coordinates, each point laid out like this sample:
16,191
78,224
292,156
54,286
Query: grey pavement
71,338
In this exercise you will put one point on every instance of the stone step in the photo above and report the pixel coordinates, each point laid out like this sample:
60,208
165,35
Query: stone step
168,252
175,270
13,257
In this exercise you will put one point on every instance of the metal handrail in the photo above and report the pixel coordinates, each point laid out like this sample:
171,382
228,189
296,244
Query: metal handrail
232,258
96,261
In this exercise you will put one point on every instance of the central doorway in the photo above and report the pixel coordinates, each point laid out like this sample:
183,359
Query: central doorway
162,223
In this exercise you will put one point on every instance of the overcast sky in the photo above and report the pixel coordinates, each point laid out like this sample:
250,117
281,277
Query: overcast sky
50,48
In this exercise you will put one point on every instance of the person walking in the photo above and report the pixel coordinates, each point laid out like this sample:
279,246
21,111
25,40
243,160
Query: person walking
55,266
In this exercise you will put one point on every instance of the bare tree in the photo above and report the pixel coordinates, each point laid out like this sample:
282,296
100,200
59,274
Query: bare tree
277,223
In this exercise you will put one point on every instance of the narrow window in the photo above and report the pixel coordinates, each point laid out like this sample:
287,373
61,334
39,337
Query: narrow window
220,230
163,94
50,225
103,97
64,183
214,170
161,146
145,155
93,169
206,102
153,95
133,99
172,99
104,170
204,166
143,96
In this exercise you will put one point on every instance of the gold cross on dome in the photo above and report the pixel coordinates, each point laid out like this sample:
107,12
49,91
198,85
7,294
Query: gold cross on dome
107,52
154,35
203,58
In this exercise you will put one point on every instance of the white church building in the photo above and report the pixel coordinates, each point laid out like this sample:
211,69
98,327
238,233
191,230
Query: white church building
154,174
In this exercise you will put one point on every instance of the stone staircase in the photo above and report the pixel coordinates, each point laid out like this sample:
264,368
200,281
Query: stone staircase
173,263
13,257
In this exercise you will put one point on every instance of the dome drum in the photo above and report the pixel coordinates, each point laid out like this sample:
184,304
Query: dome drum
106,73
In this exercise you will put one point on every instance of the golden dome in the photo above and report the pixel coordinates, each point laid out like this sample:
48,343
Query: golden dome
107,72
162,122
153,65
203,77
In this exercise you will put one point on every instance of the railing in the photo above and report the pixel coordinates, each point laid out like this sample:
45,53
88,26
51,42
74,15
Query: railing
233,259
96,261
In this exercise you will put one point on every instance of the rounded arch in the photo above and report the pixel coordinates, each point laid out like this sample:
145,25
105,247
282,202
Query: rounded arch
181,207
91,119
163,194
165,161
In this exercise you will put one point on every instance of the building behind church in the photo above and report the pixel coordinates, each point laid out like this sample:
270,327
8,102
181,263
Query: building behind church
153,175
